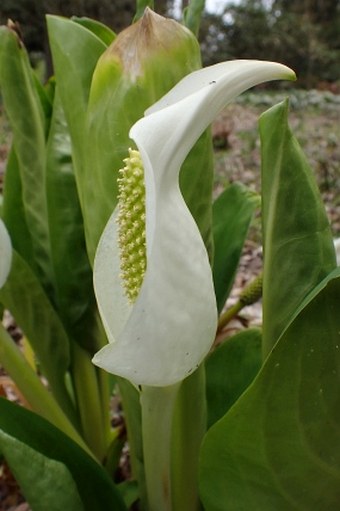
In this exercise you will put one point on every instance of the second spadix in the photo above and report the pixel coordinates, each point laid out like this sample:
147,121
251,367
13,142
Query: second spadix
164,335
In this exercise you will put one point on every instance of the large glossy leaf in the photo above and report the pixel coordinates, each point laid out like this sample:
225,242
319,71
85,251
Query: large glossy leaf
232,213
298,246
24,296
278,446
53,471
27,119
229,371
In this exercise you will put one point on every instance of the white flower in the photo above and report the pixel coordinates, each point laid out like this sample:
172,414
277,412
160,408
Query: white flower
164,335
5,253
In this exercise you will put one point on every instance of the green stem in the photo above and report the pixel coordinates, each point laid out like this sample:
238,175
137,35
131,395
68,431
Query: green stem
251,293
89,401
157,413
228,315
104,393
31,387
189,427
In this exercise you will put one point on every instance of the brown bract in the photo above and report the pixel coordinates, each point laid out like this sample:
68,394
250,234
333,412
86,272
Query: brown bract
149,35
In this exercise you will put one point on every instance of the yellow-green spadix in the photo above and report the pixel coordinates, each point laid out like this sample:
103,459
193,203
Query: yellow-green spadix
166,332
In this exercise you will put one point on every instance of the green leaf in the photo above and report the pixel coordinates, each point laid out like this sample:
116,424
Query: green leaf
41,448
27,119
14,212
75,51
196,183
72,272
188,429
298,245
24,296
230,369
192,15
29,383
129,492
46,483
105,34
141,5
232,214
276,448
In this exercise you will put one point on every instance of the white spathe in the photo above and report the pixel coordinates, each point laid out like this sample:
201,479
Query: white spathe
5,253
166,333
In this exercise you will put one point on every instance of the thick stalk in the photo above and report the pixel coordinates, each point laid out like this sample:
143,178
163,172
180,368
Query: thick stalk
31,387
189,427
89,401
104,387
157,413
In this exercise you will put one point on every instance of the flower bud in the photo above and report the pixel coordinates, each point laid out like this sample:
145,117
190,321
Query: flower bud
154,39
143,63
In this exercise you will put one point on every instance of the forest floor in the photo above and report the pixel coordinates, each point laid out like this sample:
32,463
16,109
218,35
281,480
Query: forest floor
315,121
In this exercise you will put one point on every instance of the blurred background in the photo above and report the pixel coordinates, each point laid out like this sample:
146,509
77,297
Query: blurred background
304,34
